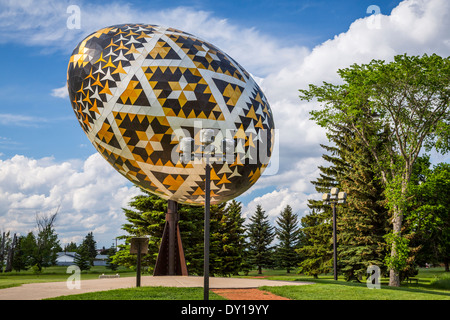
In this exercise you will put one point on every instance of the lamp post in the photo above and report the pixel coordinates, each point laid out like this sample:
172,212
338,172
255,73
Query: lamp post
206,138
186,148
333,198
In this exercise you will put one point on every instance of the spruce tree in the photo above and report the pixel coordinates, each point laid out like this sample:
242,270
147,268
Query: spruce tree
20,259
288,234
71,247
362,222
226,238
316,246
28,246
216,256
314,252
192,235
261,235
82,258
230,236
91,247
147,218
109,260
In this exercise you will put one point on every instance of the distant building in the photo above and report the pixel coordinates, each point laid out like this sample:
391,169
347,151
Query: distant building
65,258
100,260
68,258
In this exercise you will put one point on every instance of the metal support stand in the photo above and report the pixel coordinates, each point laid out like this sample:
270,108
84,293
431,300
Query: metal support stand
171,259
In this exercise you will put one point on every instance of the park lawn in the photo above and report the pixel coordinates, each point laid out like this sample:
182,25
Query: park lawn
143,293
317,291
54,274
352,291
433,284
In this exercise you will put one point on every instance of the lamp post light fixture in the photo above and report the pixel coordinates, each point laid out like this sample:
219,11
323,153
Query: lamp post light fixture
333,198
187,146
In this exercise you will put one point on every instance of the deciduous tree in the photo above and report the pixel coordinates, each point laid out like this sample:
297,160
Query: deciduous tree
430,215
407,100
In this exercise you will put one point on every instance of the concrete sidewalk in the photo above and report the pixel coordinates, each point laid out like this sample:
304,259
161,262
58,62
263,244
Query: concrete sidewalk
38,291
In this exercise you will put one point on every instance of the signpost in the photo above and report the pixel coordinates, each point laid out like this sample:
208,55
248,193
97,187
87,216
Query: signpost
139,246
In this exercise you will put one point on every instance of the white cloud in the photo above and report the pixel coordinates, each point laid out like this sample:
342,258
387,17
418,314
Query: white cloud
60,92
92,189
45,24
273,203
7,143
8,119
90,196
414,27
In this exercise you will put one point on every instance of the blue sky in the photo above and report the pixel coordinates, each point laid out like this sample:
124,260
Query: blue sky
34,70
46,161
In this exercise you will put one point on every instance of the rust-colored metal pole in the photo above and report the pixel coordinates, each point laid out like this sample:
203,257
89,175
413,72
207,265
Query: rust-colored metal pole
171,259
172,222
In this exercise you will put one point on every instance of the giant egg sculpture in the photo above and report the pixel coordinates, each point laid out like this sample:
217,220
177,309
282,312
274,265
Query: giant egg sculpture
138,89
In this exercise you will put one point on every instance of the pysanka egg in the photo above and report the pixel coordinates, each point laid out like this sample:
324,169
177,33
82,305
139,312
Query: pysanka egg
138,90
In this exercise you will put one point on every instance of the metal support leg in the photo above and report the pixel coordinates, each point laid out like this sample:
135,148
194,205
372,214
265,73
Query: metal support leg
171,259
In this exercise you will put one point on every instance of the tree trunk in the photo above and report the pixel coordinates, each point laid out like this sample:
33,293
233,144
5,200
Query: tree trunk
10,256
394,275
2,251
394,278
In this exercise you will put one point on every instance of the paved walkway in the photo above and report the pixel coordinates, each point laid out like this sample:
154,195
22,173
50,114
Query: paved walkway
38,291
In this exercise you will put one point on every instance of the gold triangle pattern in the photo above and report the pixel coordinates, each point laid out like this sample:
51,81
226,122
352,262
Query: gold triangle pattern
135,87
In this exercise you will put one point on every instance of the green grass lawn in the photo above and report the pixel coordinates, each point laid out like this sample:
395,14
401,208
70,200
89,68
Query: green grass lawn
353,291
144,293
433,284
56,273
